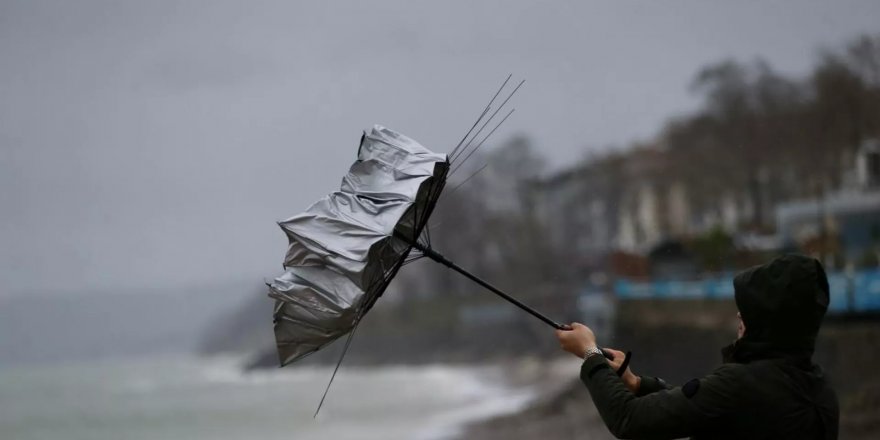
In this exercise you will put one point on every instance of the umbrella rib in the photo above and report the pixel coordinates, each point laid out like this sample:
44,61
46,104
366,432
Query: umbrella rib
451,192
480,118
435,195
338,363
414,254
416,219
488,120
486,110
413,260
427,232
424,238
383,274
481,143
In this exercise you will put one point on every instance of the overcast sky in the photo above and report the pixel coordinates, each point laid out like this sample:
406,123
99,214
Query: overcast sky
155,143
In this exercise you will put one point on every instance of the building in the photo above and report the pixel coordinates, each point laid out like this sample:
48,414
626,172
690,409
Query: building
631,202
845,221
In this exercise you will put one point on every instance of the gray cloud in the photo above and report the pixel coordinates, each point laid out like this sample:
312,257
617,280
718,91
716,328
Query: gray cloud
155,143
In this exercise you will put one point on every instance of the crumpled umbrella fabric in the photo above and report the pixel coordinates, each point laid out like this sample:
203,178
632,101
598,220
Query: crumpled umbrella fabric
342,250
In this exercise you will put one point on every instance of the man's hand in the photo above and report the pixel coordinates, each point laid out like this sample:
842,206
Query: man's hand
577,340
629,379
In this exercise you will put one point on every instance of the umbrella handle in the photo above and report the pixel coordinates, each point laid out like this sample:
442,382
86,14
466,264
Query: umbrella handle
436,256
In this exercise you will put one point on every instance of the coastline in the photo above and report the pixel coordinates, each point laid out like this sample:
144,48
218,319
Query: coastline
561,407
520,397
214,398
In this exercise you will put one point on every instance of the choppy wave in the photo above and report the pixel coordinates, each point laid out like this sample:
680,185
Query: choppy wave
146,398
480,389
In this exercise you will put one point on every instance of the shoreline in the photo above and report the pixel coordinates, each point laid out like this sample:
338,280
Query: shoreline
516,397
561,406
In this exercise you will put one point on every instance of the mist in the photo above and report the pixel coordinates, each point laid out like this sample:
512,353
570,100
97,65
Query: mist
149,144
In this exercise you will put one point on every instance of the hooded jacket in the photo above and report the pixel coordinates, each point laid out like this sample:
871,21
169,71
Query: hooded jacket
767,387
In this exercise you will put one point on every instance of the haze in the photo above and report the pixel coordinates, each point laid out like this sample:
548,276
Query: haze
154,144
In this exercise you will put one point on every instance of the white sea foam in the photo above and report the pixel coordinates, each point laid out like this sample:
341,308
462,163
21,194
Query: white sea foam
144,399
486,401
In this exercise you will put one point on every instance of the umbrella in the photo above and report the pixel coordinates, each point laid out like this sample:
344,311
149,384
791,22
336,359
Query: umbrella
345,249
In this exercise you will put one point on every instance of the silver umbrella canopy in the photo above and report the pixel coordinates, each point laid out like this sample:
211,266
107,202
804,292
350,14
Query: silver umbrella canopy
345,249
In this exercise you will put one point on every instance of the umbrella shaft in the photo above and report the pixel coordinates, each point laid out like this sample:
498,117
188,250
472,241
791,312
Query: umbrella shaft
434,255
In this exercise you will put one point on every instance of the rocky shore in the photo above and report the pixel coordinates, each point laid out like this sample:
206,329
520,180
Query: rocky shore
562,410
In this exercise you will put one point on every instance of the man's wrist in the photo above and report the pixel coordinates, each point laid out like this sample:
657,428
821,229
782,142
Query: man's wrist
590,351
632,382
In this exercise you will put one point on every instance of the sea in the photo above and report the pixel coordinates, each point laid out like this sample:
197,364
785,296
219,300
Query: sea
185,397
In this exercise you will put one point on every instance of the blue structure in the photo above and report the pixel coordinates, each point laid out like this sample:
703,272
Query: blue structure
855,217
857,293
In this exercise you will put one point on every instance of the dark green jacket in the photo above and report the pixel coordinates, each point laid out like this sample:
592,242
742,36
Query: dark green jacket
768,388
767,399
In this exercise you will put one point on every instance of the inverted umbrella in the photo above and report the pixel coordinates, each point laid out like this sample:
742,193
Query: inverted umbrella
344,250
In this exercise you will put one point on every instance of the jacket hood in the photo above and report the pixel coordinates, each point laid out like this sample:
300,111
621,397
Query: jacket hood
782,304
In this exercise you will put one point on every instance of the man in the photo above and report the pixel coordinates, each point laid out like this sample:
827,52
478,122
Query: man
767,387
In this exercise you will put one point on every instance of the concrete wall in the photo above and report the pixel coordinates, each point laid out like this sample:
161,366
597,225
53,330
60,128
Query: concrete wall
680,339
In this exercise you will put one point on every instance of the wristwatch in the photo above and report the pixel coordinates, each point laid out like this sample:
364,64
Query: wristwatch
592,351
